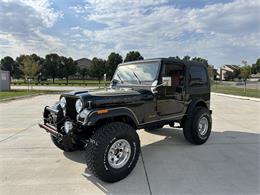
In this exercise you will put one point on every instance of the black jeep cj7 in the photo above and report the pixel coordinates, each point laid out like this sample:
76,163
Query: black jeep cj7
144,94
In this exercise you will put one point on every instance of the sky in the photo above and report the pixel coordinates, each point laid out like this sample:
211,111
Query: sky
222,31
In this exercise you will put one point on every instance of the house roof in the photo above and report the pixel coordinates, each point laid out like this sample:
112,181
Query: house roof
233,67
84,63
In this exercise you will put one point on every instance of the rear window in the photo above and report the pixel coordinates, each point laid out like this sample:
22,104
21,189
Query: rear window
198,76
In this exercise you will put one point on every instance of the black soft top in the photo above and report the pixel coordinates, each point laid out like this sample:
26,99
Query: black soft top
169,60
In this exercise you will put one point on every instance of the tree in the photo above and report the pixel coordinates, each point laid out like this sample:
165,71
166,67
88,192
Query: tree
256,67
83,72
112,62
186,58
39,60
29,67
201,60
175,58
211,72
67,67
245,72
132,56
51,66
98,68
19,62
8,64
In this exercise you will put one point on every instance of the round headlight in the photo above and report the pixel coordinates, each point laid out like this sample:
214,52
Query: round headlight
78,105
63,102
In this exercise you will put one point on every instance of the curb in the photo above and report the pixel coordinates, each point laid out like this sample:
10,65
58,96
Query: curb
237,97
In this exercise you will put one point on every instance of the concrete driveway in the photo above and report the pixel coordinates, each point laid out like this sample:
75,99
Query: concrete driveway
227,164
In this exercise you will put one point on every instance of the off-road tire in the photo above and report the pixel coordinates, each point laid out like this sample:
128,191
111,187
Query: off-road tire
190,126
99,145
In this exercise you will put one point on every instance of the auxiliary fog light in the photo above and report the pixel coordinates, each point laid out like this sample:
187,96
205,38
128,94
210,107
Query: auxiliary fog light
84,113
68,126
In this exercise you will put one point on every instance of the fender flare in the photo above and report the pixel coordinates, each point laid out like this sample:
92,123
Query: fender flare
94,117
193,104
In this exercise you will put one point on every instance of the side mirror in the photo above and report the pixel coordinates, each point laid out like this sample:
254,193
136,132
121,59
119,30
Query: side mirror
167,81
114,83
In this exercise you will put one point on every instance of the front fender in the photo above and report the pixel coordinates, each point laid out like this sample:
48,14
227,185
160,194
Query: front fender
94,116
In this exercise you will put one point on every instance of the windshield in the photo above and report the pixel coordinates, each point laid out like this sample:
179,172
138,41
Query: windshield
137,73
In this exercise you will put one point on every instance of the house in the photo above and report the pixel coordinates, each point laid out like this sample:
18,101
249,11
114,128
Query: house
224,69
84,63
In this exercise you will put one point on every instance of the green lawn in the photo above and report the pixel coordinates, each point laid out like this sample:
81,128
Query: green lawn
235,91
63,82
19,93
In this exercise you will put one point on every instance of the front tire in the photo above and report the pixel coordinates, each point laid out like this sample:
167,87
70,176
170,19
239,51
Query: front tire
113,151
197,128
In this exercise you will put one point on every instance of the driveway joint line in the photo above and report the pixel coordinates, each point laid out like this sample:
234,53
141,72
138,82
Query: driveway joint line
146,175
27,128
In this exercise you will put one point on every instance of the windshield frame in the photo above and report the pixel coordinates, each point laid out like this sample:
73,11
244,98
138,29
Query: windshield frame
147,83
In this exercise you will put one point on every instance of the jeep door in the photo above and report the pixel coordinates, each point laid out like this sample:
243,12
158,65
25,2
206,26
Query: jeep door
170,99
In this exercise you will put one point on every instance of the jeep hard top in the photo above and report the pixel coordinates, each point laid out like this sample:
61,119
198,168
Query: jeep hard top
145,94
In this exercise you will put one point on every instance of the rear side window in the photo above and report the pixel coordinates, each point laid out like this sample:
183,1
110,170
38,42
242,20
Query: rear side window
198,76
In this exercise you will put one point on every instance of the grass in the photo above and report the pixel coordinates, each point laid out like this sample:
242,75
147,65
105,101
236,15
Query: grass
62,82
235,91
4,95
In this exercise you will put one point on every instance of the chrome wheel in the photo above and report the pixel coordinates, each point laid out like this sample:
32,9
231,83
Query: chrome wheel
119,153
203,126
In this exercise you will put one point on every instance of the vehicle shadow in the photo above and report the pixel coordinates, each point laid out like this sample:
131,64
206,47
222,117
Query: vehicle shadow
227,164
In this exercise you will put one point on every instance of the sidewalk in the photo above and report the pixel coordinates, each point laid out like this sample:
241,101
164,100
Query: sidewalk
236,96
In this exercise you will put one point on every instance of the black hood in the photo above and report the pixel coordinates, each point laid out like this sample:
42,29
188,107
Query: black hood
111,97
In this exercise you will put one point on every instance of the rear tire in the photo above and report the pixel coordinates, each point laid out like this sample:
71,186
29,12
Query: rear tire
197,128
106,157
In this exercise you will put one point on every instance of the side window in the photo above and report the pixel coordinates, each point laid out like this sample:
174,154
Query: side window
176,72
197,76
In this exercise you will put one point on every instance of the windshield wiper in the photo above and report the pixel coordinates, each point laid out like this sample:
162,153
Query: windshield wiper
119,77
137,77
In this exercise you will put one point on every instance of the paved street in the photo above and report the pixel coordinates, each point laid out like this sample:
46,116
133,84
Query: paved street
227,164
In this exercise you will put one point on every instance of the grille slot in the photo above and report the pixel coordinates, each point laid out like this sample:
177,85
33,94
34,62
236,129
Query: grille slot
70,108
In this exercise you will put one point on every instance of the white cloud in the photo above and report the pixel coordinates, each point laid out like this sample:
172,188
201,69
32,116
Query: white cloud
78,9
22,22
214,31
222,33
75,28
27,14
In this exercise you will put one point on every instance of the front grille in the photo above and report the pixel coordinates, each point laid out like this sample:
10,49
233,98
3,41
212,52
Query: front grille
70,108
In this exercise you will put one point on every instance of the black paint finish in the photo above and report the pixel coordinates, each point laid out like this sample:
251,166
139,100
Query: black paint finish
139,103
